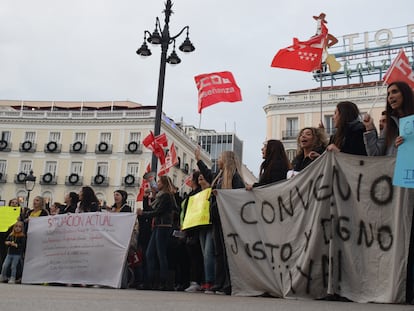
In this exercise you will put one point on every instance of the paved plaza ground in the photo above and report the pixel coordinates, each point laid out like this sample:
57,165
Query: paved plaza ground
59,298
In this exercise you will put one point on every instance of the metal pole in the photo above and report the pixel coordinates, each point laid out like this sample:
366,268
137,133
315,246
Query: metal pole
27,198
165,42
160,97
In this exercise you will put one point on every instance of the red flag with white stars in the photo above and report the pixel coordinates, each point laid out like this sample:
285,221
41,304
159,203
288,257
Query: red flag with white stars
302,55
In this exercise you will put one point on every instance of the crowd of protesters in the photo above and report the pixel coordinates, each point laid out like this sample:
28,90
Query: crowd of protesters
165,257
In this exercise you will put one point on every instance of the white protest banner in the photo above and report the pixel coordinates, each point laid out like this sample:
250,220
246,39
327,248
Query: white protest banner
338,227
84,248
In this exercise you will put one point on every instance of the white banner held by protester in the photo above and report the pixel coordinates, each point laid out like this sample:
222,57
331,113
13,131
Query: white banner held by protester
84,248
338,227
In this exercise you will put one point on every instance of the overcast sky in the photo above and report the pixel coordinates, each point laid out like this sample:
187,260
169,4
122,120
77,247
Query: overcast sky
85,50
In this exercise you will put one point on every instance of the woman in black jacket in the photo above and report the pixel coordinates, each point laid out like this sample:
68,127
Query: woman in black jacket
163,209
275,164
349,135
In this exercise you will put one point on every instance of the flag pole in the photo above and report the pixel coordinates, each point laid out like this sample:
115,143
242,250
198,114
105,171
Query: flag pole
199,128
377,96
320,90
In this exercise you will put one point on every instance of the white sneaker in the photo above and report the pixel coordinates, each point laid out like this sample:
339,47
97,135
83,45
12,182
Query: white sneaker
194,287
12,281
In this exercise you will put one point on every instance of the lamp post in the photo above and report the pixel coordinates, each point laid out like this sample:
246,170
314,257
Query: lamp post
162,37
29,183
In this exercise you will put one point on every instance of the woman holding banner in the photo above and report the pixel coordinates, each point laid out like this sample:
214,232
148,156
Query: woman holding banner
228,177
400,103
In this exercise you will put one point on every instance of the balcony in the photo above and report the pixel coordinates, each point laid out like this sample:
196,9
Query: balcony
131,181
3,178
103,148
5,146
48,179
27,146
290,134
78,147
52,147
100,180
74,180
19,178
185,169
133,147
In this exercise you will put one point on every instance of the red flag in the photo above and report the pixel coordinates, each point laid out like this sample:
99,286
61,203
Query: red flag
162,140
400,70
216,87
173,155
155,144
304,56
170,160
144,185
148,141
188,179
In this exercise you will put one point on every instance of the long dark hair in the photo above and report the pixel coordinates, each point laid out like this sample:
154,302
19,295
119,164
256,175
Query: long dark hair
407,109
90,202
74,198
275,152
348,112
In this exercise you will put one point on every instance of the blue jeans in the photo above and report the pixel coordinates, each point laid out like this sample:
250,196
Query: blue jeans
207,247
13,261
157,252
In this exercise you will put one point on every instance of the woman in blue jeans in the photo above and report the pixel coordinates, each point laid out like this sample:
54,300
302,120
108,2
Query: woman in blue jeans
163,208
207,246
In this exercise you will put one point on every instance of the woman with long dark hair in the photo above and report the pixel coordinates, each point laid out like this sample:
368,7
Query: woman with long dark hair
348,137
399,104
88,202
275,163
71,202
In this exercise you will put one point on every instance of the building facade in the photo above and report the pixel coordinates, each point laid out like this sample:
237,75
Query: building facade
216,142
287,114
68,145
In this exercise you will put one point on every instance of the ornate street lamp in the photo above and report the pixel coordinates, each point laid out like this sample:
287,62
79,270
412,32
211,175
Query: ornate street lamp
162,37
29,183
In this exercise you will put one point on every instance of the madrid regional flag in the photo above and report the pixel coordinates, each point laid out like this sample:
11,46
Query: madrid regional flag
302,55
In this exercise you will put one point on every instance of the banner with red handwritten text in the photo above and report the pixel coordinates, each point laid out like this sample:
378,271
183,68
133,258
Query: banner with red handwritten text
84,248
